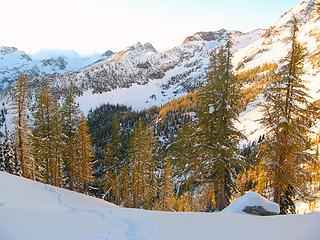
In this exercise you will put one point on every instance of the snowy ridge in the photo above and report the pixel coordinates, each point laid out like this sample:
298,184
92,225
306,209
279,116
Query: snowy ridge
272,47
39,212
13,62
274,43
142,77
166,75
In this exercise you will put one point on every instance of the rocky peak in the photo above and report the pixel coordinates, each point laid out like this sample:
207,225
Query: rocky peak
108,53
206,36
58,63
141,47
149,46
7,50
304,12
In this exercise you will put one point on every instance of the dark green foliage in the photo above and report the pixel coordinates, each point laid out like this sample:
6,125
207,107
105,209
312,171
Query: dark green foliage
208,150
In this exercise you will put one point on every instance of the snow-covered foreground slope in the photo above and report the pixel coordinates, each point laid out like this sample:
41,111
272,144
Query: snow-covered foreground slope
34,211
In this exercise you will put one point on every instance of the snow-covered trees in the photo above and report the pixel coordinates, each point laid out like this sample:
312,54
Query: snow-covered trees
217,115
58,150
84,155
206,150
8,161
142,165
167,198
22,141
70,116
129,178
112,162
198,141
48,138
288,117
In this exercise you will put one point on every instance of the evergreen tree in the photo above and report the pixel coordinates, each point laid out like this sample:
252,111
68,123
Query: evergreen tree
167,193
317,6
84,156
70,116
8,161
2,120
126,187
184,203
184,152
288,117
22,141
112,163
113,148
218,136
2,160
47,138
142,166
11,165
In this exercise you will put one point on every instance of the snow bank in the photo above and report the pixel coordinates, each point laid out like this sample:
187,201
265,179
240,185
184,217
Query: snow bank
251,199
35,211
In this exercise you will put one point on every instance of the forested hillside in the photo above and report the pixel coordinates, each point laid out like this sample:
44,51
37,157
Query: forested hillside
239,116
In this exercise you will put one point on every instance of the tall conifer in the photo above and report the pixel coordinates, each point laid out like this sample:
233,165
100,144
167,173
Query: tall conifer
219,138
84,155
288,116
70,116
22,142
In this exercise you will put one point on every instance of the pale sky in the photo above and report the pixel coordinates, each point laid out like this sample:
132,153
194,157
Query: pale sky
98,25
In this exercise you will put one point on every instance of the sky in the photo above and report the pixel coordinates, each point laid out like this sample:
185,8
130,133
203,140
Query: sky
89,26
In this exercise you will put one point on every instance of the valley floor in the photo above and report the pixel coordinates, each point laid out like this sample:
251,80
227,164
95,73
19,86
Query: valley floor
35,211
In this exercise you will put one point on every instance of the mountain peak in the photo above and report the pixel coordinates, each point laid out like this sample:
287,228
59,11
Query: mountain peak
139,46
7,50
149,46
303,12
107,53
206,36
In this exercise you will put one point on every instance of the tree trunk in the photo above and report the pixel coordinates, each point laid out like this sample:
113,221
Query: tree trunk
277,195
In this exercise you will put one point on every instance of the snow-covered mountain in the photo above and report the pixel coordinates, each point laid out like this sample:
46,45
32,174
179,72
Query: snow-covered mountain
142,77
14,62
274,43
31,210
272,47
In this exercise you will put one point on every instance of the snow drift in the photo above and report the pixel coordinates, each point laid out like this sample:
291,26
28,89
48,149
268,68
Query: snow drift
251,199
35,211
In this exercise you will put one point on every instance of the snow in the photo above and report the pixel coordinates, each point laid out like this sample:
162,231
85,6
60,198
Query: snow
251,199
73,59
248,122
35,211
13,62
184,69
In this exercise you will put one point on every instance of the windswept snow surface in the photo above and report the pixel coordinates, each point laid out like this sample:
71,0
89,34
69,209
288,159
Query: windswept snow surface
35,211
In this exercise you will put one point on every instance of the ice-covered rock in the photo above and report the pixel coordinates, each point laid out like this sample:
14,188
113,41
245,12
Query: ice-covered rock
253,203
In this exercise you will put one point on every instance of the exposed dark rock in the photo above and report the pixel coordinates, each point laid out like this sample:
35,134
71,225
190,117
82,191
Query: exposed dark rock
60,62
108,53
258,210
206,36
